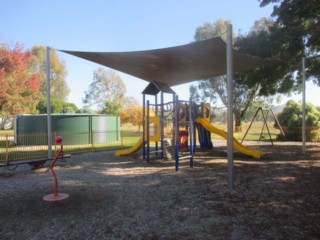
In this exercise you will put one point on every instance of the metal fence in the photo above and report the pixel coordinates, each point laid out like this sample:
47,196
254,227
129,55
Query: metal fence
34,146
31,146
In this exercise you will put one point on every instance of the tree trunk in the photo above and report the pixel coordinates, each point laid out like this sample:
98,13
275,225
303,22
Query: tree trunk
237,125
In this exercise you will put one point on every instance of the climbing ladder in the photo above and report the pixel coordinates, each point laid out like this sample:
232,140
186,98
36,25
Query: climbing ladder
167,147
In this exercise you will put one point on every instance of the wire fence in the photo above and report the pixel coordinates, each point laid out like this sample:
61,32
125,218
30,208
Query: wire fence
35,146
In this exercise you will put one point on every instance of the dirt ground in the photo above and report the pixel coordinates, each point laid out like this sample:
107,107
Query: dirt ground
276,197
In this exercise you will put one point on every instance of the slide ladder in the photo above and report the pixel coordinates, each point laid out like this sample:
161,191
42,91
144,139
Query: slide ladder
167,146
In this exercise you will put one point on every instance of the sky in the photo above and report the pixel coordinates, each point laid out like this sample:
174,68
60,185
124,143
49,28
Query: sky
117,26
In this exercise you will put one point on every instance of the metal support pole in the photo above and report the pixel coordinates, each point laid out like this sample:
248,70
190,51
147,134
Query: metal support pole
48,104
265,124
162,125
278,123
144,125
148,131
7,149
303,105
156,114
244,136
230,106
176,131
191,131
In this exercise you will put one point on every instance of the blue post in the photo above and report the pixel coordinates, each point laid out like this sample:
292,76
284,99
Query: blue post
148,131
156,113
176,131
143,125
191,130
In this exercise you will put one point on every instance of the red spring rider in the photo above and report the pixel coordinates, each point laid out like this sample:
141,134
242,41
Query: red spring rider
56,196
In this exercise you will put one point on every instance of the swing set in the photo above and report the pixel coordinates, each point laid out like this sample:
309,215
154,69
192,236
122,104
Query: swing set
264,113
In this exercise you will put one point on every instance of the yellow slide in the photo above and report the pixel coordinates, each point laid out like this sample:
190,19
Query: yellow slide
130,150
236,144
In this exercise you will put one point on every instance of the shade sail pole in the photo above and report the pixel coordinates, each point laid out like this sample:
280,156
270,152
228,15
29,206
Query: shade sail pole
230,106
48,104
303,105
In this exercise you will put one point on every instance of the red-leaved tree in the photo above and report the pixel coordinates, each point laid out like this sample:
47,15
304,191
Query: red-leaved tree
19,88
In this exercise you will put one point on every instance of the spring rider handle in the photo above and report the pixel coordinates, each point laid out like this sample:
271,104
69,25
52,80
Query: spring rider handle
56,196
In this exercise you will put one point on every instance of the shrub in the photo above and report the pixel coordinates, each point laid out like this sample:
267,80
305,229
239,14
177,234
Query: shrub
291,121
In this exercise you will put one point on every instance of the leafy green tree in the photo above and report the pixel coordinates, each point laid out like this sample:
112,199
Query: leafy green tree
247,85
106,92
264,103
58,86
70,108
209,30
265,40
242,96
291,120
112,107
298,33
86,110
57,106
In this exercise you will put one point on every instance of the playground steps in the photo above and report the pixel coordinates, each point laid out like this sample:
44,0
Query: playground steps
167,146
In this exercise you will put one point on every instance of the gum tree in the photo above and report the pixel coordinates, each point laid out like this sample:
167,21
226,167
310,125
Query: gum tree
298,32
247,85
58,86
106,92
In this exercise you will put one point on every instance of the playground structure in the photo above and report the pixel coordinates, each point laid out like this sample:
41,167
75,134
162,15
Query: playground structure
157,116
177,65
184,117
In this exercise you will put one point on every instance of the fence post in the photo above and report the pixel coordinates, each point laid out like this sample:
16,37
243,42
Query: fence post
91,136
55,144
7,148
121,137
